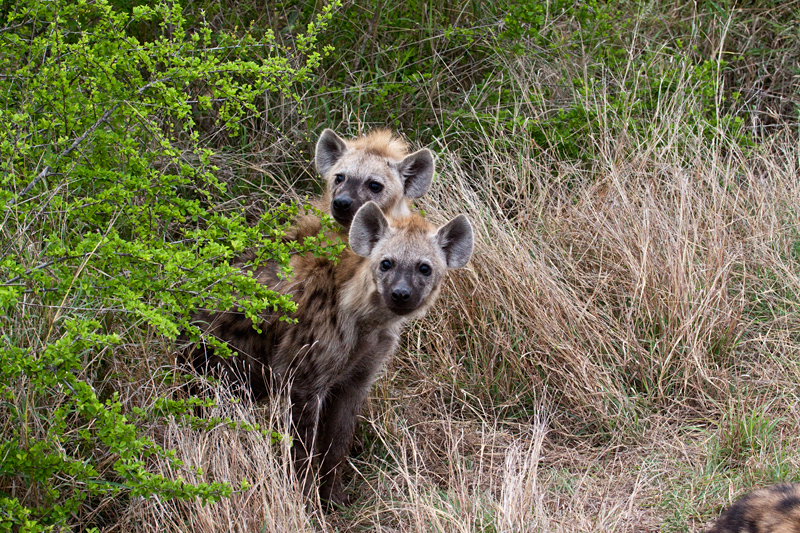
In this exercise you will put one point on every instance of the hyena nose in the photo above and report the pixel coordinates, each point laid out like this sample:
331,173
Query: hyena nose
342,204
401,294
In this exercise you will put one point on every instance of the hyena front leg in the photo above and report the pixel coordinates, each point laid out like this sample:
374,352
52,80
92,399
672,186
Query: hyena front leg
305,424
339,416
337,425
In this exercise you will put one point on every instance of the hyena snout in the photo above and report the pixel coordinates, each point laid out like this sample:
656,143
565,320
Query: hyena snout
401,294
343,209
402,299
342,204
403,291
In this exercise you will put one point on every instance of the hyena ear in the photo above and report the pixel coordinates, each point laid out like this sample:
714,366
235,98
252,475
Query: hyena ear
456,240
369,226
416,171
330,147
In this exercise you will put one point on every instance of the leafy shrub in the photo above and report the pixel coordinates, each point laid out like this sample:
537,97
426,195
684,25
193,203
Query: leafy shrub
113,229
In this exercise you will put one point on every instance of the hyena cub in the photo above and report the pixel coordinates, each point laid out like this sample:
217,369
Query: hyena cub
774,509
349,319
373,168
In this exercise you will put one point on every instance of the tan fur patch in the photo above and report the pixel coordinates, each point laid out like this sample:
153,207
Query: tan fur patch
381,142
412,224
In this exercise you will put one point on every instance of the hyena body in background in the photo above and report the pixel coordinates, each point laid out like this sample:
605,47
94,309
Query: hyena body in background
373,168
774,509
349,319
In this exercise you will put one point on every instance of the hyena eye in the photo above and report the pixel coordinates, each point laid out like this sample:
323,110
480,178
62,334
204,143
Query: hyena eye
338,179
374,186
386,265
425,270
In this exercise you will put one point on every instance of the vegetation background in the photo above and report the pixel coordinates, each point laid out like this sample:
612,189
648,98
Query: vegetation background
623,353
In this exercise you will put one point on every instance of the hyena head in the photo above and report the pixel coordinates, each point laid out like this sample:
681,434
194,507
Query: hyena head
408,257
374,168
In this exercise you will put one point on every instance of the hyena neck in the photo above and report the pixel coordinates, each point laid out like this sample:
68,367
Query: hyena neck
400,209
309,224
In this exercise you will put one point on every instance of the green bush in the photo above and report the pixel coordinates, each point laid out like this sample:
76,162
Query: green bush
113,229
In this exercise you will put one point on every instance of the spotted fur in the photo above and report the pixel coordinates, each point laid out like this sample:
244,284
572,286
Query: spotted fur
349,319
774,509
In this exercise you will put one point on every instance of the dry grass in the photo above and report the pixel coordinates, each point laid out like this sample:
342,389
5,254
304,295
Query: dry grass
227,453
637,283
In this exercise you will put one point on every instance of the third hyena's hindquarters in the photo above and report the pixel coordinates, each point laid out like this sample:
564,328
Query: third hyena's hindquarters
773,509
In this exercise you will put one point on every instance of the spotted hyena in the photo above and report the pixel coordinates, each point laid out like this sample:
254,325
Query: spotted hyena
774,509
349,318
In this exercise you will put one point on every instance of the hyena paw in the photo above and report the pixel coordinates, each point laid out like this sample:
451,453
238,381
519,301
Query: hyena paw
335,498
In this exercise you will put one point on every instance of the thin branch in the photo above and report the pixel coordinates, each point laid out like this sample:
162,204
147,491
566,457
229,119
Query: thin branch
40,267
46,170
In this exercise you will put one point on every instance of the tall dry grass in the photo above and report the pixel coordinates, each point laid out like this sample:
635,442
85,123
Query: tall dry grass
656,275
267,502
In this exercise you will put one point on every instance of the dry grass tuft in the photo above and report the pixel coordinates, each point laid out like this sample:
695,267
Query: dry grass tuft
270,502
